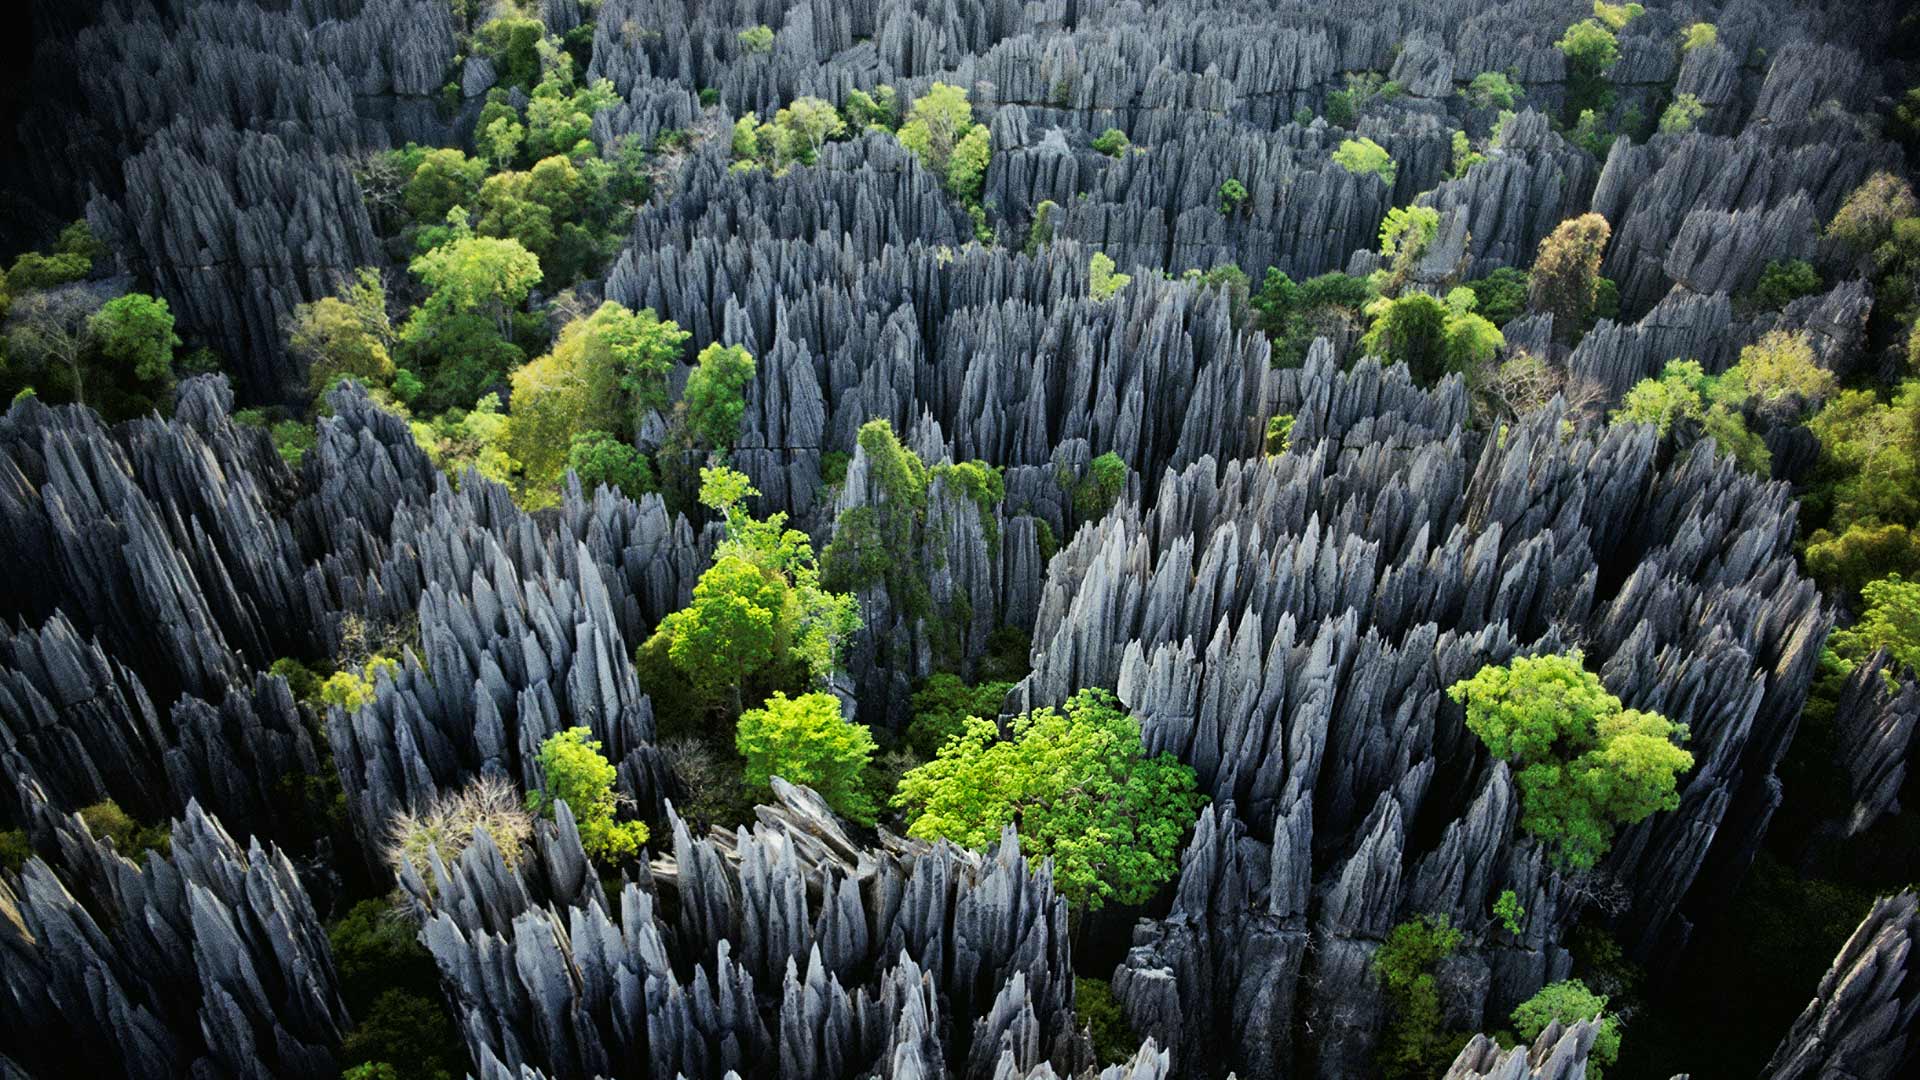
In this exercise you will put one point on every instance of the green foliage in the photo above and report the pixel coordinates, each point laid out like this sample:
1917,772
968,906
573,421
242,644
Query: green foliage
1616,16
1294,314
1280,434
15,850
1413,1044
715,396
806,740
33,270
408,1028
302,683
1101,485
513,43
1584,764
1566,271
371,1070
1079,788
598,458
441,180
392,988
605,372
1682,114
575,772
760,605
1501,296
135,333
292,439
1410,330
1102,282
1430,337
1408,229
1570,1001
106,821
756,39
1591,134
1363,155
1111,142
1098,1012
939,130
1772,372
1784,281
462,439
1231,196
1040,233
1491,90
1591,49
1508,910
1465,157
345,336
942,707
355,690
1890,621
1865,221
1698,35
880,109
1363,89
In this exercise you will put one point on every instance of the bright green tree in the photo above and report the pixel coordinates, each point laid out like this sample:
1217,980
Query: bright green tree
578,774
1570,1001
1363,155
1102,484
1078,786
715,396
1890,621
1232,195
1102,282
344,336
1584,764
1591,50
135,333
1682,114
442,180
1491,89
806,740
1111,142
1698,35
598,458
1414,1044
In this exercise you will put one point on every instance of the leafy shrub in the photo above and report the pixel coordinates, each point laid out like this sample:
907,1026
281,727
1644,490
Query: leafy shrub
1363,155
1102,282
1280,434
1413,1044
1890,621
1100,487
1565,279
715,395
1111,142
1491,89
1591,49
578,774
1699,35
942,707
1078,786
1682,114
756,39
1232,195
1784,281
806,740
598,458
1507,909
1292,315
1570,1001
1098,1013
132,839
1501,296
1583,763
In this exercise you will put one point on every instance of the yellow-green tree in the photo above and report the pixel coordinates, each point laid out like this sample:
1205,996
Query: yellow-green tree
806,740
578,774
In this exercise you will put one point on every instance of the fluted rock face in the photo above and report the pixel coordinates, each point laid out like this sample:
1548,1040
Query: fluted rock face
209,962
1860,1022
1560,1053
160,537
874,959
1295,650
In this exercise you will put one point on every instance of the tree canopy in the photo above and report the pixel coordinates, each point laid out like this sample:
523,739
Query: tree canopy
1079,787
806,740
1584,763
575,772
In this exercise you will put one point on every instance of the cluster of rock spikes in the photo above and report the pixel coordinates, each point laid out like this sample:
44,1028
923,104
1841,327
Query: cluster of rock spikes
1285,624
